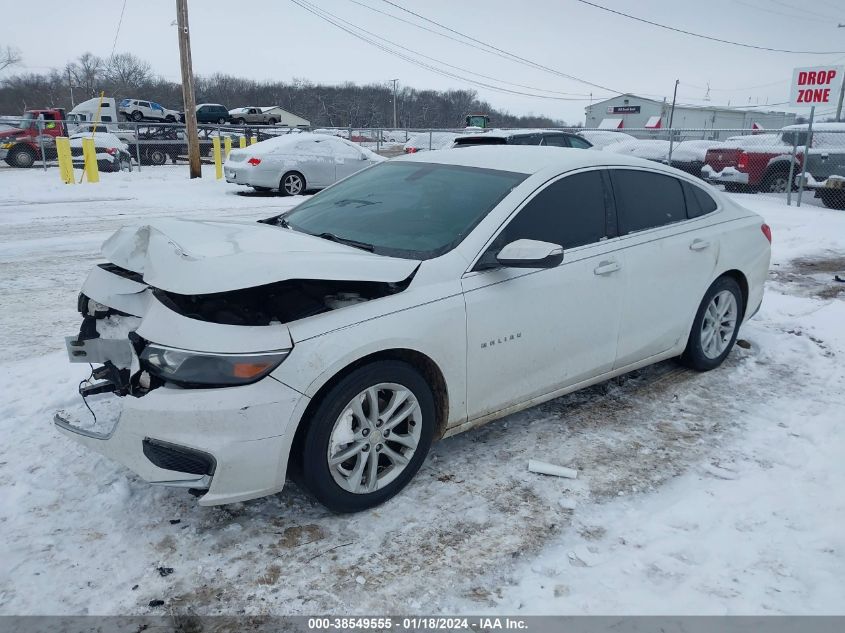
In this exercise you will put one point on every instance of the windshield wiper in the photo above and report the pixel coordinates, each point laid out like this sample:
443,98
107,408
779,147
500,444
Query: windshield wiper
342,240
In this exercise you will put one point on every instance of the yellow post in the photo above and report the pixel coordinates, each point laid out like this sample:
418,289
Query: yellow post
65,161
242,142
253,140
227,147
218,164
89,152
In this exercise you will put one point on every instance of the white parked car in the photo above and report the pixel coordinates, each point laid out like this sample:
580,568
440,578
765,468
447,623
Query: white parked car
412,301
602,138
426,141
294,163
140,110
111,152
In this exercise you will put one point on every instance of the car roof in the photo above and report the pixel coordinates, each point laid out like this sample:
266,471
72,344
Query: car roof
496,133
528,159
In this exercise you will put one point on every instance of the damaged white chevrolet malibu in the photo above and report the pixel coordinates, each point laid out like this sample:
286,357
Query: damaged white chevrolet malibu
412,301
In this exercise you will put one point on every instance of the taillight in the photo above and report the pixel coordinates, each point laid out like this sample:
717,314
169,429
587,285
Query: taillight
767,231
742,163
411,150
111,150
254,161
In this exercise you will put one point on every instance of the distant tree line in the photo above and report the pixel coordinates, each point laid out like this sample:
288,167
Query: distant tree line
347,105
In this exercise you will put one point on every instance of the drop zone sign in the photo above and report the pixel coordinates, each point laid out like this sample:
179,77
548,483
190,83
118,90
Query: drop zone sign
818,85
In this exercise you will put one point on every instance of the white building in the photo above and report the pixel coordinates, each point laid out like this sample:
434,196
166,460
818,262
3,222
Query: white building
648,118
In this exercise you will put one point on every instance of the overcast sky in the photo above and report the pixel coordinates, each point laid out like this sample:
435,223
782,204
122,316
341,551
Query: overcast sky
278,40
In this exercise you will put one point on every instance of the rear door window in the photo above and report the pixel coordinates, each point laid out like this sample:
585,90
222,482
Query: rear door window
555,140
646,200
579,143
699,202
526,139
570,212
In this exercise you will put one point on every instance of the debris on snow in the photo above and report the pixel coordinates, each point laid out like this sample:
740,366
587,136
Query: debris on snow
567,504
165,571
544,468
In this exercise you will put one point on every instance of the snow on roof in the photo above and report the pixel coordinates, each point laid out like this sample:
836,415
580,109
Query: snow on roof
610,124
439,140
603,138
526,159
650,149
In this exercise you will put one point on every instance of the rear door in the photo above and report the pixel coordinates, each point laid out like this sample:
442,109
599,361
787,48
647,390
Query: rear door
532,331
347,159
670,256
314,158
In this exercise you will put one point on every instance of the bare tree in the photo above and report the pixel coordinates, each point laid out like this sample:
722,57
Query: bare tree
126,71
9,57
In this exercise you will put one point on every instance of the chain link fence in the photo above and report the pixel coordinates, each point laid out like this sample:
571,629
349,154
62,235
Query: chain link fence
740,160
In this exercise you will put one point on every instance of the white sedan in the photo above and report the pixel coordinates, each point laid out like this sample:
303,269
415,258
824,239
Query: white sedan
413,301
294,163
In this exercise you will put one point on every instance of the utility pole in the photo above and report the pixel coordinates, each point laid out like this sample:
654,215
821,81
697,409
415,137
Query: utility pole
672,118
394,102
188,88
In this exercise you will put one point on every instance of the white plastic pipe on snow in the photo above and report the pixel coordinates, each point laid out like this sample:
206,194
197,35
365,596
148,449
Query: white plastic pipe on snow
544,468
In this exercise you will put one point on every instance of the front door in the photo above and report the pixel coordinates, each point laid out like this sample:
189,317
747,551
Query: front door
532,331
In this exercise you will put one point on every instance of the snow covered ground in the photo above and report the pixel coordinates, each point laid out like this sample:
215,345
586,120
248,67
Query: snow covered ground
697,493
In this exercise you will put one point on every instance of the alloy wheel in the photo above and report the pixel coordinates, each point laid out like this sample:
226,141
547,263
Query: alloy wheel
778,183
719,323
292,184
374,438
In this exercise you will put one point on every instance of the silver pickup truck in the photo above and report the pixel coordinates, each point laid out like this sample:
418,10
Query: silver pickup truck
826,176
256,115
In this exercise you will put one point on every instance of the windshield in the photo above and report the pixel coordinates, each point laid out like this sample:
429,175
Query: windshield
796,137
25,120
405,209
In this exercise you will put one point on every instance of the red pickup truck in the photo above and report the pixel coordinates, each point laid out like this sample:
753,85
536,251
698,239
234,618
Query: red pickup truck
21,146
761,162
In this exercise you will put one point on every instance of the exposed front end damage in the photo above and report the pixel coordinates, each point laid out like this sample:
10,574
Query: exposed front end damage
181,380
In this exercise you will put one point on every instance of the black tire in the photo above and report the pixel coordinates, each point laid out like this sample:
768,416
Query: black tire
170,118
137,116
221,121
775,181
832,198
21,157
240,121
157,157
311,460
271,122
287,186
694,355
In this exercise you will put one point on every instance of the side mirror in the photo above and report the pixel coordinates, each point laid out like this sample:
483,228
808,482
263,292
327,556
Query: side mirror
530,254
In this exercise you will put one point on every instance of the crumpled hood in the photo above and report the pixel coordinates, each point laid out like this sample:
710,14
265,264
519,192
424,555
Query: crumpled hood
202,257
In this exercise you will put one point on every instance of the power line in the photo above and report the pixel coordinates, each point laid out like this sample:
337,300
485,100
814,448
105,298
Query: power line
803,10
459,41
742,89
704,37
514,56
803,16
384,45
117,32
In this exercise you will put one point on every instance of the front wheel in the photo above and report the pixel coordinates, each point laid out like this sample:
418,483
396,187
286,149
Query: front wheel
292,184
24,158
716,326
832,198
368,436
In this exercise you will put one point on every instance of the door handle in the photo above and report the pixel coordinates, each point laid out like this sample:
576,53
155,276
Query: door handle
699,245
606,267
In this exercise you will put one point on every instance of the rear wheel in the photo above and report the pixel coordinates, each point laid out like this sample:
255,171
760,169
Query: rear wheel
157,157
368,436
776,182
271,122
716,326
137,116
292,184
221,120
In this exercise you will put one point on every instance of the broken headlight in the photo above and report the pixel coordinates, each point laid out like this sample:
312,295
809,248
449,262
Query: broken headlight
208,369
